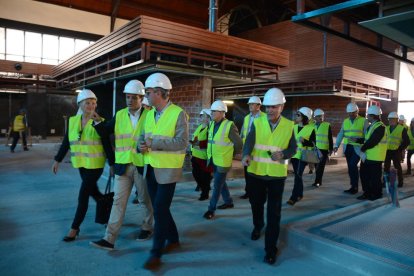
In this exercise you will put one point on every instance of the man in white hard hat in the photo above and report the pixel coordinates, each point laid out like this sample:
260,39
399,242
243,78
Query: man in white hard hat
223,142
127,126
373,153
201,171
352,132
397,142
254,107
324,143
164,147
145,104
266,152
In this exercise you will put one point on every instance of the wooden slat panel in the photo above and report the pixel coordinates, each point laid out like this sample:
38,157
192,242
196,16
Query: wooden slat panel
27,68
368,78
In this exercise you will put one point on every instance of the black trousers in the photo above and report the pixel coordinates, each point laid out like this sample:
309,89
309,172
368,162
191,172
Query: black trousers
246,179
16,136
395,156
89,187
271,191
371,174
409,154
202,178
320,168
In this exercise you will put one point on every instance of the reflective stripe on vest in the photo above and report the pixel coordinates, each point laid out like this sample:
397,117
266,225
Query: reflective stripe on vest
85,145
411,136
353,130
201,134
18,124
266,140
378,152
220,147
394,137
246,121
322,131
163,129
305,132
126,138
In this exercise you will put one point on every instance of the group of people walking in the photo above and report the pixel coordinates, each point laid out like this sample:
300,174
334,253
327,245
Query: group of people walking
150,147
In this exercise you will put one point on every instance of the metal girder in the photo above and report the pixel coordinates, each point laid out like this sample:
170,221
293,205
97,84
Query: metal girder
331,9
402,58
115,8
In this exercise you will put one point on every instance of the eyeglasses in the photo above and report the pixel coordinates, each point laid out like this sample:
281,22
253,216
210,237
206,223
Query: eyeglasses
298,115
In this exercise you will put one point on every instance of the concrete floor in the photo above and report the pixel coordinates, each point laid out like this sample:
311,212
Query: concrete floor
37,207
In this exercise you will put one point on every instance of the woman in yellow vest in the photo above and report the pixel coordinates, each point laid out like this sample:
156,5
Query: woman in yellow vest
410,148
305,138
324,143
201,172
372,155
88,154
19,129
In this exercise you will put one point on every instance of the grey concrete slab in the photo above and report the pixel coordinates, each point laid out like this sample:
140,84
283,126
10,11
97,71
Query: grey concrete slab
37,207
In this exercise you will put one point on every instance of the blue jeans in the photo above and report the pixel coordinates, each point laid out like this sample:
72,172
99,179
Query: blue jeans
220,187
164,225
352,160
298,168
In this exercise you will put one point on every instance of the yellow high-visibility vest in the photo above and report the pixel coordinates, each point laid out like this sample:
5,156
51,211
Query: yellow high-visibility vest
163,129
410,135
85,145
322,139
305,132
353,130
245,127
266,140
378,152
126,138
394,137
18,124
219,146
201,134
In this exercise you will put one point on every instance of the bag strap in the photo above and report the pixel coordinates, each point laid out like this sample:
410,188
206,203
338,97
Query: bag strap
108,184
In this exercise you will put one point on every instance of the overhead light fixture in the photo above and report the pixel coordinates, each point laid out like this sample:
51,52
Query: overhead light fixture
13,91
228,102
78,91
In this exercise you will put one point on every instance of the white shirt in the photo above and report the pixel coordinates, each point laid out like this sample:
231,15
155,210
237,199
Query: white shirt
134,117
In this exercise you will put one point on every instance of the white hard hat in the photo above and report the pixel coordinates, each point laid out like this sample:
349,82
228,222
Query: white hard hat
374,110
158,80
352,107
145,101
205,111
393,115
254,100
412,119
318,112
219,106
134,87
85,94
274,96
306,111
401,117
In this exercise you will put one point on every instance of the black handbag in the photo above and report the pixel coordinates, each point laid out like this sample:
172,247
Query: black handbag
104,204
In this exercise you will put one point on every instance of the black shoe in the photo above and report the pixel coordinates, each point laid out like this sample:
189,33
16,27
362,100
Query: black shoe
408,173
363,197
71,238
351,191
203,197
135,200
103,244
26,149
144,235
153,263
270,258
255,234
208,215
225,206
316,185
245,196
292,201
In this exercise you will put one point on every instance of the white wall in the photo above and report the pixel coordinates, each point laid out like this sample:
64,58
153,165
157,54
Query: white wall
57,16
406,92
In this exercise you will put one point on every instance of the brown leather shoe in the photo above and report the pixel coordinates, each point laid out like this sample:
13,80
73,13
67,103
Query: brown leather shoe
153,263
